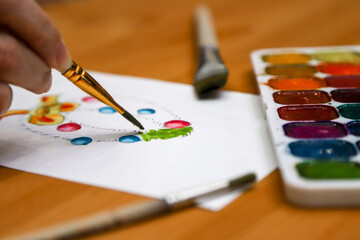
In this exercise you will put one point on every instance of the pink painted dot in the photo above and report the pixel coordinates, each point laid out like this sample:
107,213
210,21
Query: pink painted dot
68,127
176,124
89,99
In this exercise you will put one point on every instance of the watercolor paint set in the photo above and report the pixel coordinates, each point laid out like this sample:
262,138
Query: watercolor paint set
311,101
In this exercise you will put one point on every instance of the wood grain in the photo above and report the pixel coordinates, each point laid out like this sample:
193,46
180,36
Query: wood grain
155,39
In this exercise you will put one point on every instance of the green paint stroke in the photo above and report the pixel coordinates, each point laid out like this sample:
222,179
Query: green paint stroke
329,170
165,133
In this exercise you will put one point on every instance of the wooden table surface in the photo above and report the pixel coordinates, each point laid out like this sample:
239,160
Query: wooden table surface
155,39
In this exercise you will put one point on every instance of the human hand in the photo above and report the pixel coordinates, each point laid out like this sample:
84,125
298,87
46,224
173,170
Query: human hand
30,45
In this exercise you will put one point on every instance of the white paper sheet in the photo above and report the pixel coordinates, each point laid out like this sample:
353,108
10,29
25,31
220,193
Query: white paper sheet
229,138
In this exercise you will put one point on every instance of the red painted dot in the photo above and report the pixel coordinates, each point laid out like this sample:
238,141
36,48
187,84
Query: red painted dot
89,99
176,124
68,127
46,119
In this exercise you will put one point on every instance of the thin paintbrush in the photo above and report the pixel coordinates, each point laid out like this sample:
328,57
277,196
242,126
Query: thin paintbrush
212,72
88,84
141,211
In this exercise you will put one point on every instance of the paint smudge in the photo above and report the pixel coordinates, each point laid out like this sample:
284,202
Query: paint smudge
107,110
301,97
81,141
166,133
314,130
351,111
295,83
350,57
146,111
14,112
89,99
308,113
339,68
290,58
175,124
326,149
343,81
293,70
68,127
346,95
48,111
129,139
329,170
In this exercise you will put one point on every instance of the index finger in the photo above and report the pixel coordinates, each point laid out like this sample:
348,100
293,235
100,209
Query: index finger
31,24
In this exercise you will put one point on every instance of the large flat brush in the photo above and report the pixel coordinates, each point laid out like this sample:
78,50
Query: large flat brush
212,72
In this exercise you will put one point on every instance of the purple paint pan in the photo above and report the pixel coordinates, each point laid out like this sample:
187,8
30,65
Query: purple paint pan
326,129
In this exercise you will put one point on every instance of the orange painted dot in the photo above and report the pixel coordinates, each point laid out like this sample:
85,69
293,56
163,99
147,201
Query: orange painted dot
67,107
290,58
339,68
44,98
49,98
295,83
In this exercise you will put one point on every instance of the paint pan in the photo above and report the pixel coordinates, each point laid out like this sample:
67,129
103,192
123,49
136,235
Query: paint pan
354,128
308,113
329,170
339,68
331,149
342,81
315,130
289,58
291,70
312,99
346,95
299,83
301,97
350,111
337,57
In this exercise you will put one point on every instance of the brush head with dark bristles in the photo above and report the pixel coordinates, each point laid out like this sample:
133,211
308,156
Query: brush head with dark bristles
245,180
210,78
130,118
212,72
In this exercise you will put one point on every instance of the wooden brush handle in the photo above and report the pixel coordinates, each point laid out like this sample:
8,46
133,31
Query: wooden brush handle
205,28
101,221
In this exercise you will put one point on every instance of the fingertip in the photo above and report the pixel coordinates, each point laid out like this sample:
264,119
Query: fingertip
63,58
47,88
46,82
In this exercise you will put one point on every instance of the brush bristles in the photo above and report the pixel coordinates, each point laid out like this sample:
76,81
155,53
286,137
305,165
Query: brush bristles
133,120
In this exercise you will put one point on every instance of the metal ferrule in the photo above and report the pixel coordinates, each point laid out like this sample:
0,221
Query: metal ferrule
74,73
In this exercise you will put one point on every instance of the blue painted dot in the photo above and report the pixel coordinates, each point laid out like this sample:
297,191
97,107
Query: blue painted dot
107,110
146,111
129,139
81,141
